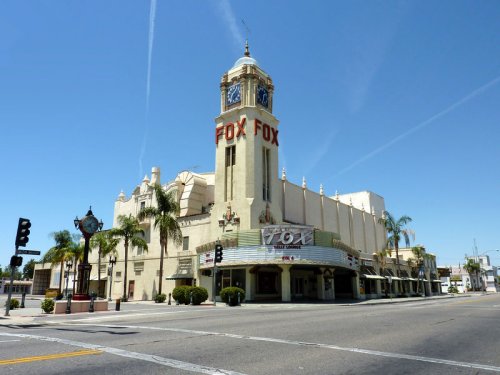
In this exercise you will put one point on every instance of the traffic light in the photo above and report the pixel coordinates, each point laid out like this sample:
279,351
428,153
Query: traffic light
23,231
16,261
218,253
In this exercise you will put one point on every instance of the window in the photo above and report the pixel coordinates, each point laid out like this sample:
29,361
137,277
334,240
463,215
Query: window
118,274
143,205
230,163
266,176
185,243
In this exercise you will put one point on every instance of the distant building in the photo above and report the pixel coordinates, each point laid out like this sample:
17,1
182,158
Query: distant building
19,286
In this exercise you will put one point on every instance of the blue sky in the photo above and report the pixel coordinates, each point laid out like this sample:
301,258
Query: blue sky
401,98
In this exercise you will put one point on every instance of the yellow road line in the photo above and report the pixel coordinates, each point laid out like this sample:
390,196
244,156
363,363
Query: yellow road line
48,357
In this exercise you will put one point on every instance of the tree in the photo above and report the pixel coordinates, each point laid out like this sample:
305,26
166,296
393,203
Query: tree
8,271
75,253
472,268
395,229
130,231
165,216
106,245
382,262
59,253
29,269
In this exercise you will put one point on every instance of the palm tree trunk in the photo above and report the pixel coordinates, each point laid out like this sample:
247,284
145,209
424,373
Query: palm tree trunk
60,277
99,273
74,273
162,249
125,297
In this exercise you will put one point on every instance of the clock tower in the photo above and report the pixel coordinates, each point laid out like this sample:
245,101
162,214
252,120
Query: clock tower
247,192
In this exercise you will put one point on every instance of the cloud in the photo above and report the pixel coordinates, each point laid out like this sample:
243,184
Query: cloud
423,124
320,152
152,16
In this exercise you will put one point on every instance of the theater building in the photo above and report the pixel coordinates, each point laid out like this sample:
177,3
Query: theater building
282,241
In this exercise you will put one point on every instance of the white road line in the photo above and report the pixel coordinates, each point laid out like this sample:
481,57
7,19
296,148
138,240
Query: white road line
119,316
9,340
168,362
312,344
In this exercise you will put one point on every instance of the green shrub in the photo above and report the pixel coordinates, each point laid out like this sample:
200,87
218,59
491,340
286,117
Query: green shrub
452,289
48,305
200,294
179,294
230,295
14,303
160,298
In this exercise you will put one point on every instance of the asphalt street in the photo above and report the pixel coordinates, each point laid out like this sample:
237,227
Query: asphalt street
426,336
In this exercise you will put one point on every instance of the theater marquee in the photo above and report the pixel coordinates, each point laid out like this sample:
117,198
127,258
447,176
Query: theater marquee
287,236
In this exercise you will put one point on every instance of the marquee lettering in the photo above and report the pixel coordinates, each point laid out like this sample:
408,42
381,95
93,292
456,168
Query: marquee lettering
230,131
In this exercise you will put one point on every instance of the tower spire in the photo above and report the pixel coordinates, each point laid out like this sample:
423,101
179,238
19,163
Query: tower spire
247,51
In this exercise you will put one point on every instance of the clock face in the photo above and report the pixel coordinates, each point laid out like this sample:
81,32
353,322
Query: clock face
90,225
233,94
262,96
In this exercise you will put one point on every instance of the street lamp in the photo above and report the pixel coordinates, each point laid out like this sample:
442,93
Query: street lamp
88,225
112,262
68,266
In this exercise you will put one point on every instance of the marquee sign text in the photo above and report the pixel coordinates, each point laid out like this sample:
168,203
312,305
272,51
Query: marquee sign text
231,130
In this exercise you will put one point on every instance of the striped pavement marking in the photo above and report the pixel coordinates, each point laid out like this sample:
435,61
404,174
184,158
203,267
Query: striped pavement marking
48,357
162,361
309,345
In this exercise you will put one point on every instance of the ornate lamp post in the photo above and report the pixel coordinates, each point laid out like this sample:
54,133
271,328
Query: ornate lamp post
112,262
68,267
88,225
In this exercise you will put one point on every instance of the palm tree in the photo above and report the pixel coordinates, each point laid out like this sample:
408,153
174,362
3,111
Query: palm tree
382,262
395,229
472,268
130,230
106,245
75,253
58,253
165,215
420,255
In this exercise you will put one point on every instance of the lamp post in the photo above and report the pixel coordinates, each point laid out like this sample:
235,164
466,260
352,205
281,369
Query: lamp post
112,262
68,267
88,225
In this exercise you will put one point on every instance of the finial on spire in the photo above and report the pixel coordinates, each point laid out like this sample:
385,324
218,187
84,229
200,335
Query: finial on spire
283,174
321,191
247,51
304,185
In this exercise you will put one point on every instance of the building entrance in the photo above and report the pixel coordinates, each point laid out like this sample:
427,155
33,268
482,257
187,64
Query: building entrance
304,283
344,283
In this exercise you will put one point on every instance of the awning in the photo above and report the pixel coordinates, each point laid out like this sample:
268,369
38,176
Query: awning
177,276
374,277
394,278
94,278
184,270
368,272
437,281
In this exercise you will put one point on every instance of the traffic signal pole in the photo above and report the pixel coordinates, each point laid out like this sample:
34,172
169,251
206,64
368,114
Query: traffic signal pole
7,304
217,259
22,238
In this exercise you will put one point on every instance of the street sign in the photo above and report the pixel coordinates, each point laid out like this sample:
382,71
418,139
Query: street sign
28,252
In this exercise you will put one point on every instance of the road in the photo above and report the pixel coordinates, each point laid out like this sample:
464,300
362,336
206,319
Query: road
448,336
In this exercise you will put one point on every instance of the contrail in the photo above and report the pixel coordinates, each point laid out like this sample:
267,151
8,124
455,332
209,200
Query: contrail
231,21
152,15
444,112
